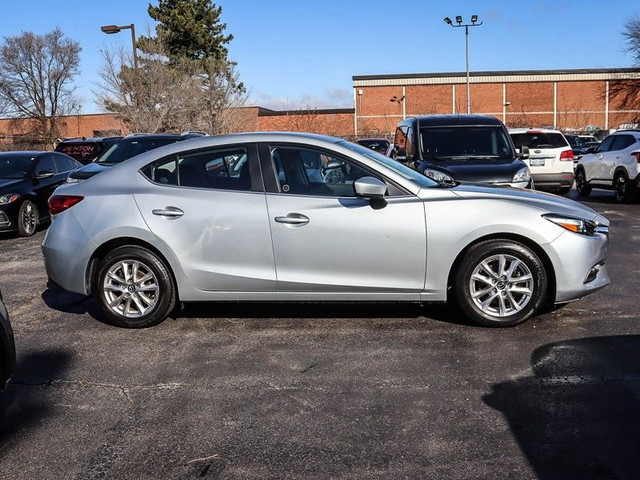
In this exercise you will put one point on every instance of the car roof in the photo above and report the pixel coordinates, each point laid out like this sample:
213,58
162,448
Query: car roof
534,130
444,120
86,140
25,153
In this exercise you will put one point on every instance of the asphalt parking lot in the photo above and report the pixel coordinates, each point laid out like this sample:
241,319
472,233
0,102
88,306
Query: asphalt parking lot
323,391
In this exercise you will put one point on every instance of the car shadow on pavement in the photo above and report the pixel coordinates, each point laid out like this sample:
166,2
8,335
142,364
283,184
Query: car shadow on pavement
59,299
578,416
21,404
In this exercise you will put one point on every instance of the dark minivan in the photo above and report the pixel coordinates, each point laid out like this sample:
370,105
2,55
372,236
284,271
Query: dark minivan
85,150
461,148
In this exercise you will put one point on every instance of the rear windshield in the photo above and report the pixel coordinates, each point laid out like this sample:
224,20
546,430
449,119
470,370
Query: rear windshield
81,151
471,142
127,148
539,140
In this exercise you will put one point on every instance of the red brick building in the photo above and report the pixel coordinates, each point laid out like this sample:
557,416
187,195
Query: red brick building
565,99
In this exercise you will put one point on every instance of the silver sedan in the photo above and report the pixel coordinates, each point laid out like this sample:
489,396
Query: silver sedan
298,217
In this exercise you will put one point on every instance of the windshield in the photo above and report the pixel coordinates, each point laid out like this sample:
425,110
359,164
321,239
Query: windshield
397,167
465,142
15,166
130,147
575,141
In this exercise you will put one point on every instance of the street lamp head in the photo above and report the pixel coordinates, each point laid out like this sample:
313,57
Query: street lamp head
448,20
109,29
459,19
474,18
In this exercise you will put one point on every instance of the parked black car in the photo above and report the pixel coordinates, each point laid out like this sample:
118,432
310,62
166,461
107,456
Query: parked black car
27,180
7,346
128,147
462,148
85,150
578,146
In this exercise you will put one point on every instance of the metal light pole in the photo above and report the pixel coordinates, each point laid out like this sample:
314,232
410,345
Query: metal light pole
109,29
474,19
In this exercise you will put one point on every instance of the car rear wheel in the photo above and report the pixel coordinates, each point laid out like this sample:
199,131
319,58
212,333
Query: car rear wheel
581,184
500,283
134,288
625,192
28,218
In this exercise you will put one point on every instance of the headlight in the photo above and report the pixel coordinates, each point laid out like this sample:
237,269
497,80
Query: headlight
523,175
577,225
8,198
438,176
71,180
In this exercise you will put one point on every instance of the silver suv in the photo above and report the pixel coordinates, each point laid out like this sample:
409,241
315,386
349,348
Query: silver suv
613,165
550,157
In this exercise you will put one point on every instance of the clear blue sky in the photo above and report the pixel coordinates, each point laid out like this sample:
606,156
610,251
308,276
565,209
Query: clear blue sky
299,53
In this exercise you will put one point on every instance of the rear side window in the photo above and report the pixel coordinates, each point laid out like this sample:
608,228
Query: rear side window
620,142
539,140
64,164
226,169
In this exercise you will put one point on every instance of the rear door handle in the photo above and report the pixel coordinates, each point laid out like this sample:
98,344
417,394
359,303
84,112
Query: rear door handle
293,219
170,212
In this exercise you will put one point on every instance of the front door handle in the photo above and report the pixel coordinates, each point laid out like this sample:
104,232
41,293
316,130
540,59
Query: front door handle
170,212
293,219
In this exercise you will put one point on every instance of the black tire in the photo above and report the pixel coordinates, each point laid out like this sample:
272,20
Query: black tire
28,219
507,304
124,300
582,186
625,191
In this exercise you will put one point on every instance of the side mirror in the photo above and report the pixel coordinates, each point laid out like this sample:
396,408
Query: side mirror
524,153
370,187
591,149
44,174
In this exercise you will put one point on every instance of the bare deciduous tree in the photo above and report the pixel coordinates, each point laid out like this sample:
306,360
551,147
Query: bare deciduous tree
627,92
36,72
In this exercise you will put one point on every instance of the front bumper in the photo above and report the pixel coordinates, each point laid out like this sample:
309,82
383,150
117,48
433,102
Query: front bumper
9,217
580,264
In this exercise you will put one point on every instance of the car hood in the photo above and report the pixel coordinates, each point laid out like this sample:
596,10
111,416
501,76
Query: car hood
89,171
546,202
481,171
7,185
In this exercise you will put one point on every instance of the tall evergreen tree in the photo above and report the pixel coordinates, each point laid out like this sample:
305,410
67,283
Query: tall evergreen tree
191,29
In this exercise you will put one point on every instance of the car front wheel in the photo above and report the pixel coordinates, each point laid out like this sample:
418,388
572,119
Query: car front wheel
500,283
134,288
28,218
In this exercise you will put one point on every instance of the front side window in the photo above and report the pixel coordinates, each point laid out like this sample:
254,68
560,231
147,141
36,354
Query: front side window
469,142
306,171
15,166
226,169
605,146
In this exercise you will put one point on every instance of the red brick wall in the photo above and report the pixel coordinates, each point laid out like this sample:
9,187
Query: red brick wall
337,124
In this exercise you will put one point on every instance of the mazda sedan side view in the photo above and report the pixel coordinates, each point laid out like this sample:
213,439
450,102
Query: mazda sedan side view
300,217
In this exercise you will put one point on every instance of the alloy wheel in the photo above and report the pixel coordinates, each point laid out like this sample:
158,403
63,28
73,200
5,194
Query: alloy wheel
29,219
130,289
501,285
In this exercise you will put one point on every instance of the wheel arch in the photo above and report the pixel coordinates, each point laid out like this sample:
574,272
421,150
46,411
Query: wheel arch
527,242
102,250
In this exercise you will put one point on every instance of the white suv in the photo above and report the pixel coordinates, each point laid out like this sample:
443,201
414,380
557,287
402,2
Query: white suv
550,157
614,165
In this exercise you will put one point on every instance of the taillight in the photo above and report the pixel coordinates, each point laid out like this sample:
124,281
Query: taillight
566,155
637,155
60,203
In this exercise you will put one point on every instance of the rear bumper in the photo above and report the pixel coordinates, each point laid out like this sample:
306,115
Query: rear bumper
553,180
